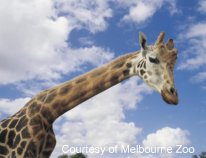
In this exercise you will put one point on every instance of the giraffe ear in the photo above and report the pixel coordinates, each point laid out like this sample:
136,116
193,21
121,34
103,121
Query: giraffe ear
142,41
160,38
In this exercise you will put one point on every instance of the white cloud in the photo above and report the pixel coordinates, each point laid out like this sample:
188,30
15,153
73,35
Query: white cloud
73,61
100,121
172,7
9,106
34,35
167,137
202,6
34,48
86,41
140,11
195,38
196,30
194,54
29,39
33,43
88,14
200,77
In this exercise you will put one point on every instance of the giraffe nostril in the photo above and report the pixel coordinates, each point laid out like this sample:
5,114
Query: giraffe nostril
172,90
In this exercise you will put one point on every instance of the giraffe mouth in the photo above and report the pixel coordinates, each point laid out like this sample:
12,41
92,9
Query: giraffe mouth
170,96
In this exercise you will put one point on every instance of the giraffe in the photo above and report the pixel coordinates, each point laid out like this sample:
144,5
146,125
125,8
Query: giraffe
29,133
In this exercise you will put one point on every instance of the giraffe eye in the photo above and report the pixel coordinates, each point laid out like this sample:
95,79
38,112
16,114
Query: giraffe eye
154,60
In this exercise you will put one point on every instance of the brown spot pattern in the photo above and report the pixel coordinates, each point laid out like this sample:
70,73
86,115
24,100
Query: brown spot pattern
144,65
34,109
65,89
50,97
13,123
3,136
118,65
129,65
142,72
81,79
22,123
25,133
4,150
114,79
126,72
46,113
42,97
30,131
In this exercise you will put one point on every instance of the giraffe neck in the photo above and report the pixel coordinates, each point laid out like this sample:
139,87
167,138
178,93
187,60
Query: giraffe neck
66,96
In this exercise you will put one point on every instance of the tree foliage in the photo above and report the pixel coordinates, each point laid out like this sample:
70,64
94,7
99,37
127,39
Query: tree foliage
201,155
78,155
63,156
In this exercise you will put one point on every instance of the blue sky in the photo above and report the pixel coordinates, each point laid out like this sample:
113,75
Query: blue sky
46,43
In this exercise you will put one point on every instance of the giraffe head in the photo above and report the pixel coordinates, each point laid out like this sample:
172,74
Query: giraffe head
155,66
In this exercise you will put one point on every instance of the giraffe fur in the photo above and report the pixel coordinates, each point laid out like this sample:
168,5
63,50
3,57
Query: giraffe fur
29,132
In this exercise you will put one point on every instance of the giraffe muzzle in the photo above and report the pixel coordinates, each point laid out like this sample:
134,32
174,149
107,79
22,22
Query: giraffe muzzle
170,96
